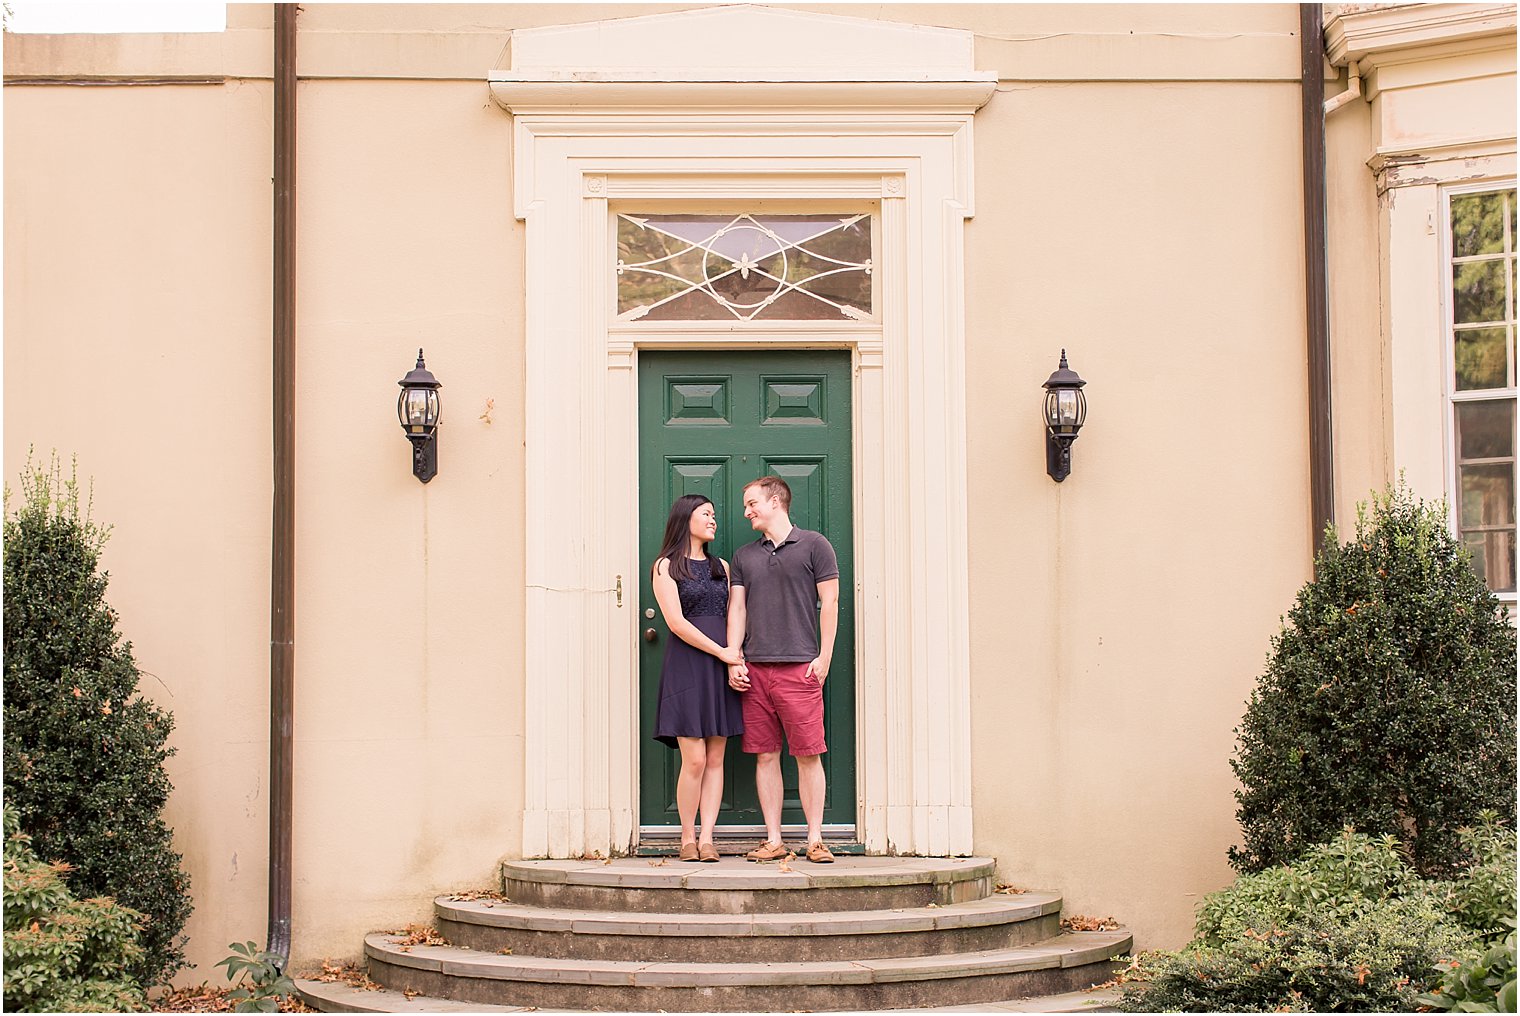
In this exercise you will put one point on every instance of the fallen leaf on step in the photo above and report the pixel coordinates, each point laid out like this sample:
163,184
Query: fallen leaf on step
505,950
662,862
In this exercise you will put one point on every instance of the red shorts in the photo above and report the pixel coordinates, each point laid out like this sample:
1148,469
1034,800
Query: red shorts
781,697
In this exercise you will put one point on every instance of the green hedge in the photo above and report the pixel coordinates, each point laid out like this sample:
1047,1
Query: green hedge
1388,702
1351,927
84,753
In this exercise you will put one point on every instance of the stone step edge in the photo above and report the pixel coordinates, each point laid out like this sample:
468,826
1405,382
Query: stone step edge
1069,950
329,996
992,910
748,875
326,996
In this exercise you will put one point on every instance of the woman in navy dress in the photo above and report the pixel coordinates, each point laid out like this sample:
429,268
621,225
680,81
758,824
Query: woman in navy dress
698,711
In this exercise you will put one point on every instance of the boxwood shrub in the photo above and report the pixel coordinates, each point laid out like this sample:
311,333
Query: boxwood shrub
1388,701
84,753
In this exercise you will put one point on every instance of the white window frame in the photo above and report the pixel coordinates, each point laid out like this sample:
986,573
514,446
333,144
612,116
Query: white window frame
1453,396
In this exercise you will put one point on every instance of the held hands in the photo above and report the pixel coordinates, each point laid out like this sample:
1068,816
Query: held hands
818,670
738,676
731,655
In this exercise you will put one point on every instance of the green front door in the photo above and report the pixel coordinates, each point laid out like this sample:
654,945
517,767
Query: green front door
708,424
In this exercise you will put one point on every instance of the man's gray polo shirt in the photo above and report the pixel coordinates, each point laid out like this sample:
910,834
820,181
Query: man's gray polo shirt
781,594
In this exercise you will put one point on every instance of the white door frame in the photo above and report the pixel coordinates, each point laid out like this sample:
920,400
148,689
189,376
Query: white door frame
625,142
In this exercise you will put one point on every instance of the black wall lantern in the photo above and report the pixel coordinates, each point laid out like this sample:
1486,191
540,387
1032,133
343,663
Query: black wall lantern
420,410
1065,412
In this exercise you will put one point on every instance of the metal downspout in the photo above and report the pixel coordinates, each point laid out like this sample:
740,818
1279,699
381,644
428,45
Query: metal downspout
1316,285
282,537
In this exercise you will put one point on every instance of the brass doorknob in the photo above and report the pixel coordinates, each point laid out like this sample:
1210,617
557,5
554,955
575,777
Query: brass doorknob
650,634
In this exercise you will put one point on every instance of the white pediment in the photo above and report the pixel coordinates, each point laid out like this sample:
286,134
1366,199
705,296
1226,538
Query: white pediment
741,42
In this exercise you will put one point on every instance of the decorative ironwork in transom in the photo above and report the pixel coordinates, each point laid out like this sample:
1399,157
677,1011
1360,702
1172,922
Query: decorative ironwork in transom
744,267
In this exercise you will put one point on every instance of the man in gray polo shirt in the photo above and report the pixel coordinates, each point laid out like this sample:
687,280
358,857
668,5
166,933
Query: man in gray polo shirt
784,588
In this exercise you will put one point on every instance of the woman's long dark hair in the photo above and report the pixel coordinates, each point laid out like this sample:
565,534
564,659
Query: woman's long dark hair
677,542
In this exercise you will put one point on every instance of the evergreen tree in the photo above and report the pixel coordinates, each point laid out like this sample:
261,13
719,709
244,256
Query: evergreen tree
1388,703
84,753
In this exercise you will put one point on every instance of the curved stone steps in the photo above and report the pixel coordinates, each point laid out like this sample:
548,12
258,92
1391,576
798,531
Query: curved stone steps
736,886
996,922
1065,963
325,996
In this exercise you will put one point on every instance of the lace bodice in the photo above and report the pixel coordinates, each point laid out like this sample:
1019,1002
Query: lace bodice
703,596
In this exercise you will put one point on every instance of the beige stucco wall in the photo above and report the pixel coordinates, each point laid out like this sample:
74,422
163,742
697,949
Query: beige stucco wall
137,337
1137,203
1119,618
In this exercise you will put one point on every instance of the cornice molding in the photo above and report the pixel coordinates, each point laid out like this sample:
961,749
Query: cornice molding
771,59
1459,160
521,94
1400,31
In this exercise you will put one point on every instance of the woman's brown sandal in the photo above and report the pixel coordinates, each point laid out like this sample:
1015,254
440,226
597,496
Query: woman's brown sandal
707,852
688,851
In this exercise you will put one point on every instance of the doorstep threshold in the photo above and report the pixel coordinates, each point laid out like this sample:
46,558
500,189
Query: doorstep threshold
658,841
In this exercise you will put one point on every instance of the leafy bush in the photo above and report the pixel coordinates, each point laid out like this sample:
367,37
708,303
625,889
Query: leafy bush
1483,899
62,954
84,755
259,982
1388,702
1484,981
1350,928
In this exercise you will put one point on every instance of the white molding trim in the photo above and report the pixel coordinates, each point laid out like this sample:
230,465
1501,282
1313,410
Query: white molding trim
572,167
1376,36
1459,161
560,96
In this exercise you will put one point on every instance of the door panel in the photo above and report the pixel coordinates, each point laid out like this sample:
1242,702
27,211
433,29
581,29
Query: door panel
708,424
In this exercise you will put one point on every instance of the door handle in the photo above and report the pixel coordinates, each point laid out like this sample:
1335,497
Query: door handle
650,634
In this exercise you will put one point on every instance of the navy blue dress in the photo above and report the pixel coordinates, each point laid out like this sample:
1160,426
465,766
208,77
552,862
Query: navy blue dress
695,699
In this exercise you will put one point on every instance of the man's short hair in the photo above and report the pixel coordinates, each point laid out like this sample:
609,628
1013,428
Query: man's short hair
773,486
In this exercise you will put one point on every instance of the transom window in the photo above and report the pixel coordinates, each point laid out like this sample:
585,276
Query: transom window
1482,343
744,267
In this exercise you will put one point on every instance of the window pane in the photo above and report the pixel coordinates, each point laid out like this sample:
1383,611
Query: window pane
1488,495
1477,224
742,267
1482,358
1478,291
1493,558
1486,430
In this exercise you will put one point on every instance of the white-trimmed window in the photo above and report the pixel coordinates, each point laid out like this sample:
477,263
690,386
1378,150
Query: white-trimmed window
1480,381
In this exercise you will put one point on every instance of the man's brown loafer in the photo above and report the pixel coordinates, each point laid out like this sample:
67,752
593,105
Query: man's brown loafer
707,852
819,854
688,851
767,851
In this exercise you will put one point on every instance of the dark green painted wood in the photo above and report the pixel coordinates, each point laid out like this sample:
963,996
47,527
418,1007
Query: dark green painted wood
709,423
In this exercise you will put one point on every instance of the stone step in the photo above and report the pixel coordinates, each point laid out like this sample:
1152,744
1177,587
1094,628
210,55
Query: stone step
997,922
325,996
1066,963
736,886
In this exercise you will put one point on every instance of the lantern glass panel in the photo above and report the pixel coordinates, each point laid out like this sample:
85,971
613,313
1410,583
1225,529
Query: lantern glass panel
413,409
1066,407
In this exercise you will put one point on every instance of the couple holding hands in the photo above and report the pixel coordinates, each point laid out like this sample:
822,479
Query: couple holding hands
748,658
